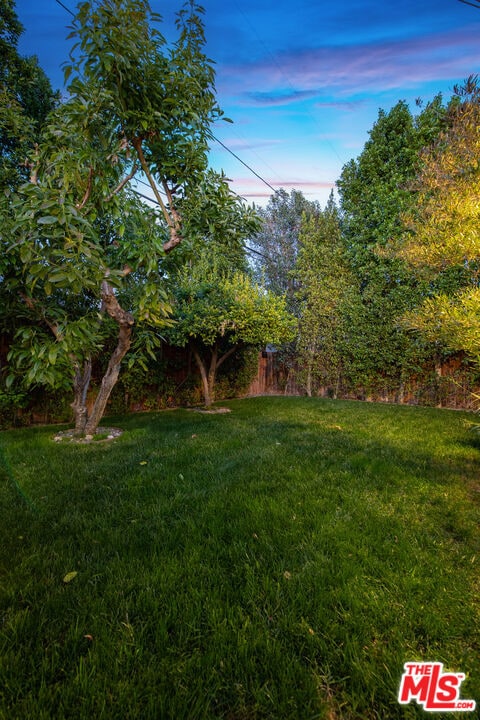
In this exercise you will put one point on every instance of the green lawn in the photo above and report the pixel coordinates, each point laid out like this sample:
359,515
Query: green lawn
280,561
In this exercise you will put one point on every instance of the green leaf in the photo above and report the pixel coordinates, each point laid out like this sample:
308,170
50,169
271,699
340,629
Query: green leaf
70,576
25,253
66,73
52,354
47,220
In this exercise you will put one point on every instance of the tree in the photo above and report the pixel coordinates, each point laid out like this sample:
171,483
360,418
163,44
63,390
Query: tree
217,313
218,224
374,194
26,98
277,242
82,241
324,286
441,239
276,247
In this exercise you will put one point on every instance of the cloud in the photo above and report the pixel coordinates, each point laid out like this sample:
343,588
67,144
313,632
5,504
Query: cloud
349,106
251,143
350,69
315,184
252,187
280,97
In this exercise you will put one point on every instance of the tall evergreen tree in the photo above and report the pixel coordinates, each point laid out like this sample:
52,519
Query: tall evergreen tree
375,192
277,243
325,284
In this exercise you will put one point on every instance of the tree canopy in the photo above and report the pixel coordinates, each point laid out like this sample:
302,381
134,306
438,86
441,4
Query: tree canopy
277,242
218,313
90,272
325,285
375,192
441,240
88,254
26,98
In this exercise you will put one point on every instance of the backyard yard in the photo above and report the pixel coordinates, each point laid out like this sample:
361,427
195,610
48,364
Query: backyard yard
283,560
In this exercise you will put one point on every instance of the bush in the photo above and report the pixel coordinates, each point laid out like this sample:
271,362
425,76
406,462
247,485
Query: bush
12,401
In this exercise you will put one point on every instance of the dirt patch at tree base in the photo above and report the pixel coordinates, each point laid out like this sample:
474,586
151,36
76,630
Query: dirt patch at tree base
102,434
212,411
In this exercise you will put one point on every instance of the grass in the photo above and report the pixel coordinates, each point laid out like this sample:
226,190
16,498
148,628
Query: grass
281,561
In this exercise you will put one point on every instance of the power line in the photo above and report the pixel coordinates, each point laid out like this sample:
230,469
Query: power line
146,197
155,202
142,182
215,138
244,163
65,8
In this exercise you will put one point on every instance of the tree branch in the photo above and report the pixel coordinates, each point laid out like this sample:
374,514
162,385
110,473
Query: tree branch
173,224
122,184
32,305
113,307
175,237
137,144
34,167
227,354
84,201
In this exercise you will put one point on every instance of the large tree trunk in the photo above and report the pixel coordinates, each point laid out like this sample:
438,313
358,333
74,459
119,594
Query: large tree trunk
208,378
81,383
310,366
212,375
125,322
308,383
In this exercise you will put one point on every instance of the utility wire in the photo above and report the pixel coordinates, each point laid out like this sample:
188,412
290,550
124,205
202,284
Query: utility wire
215,138
65,8
282,69
244,163
145,197
142,182
155,202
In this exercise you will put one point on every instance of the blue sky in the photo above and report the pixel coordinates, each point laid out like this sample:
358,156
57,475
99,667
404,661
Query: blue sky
302,81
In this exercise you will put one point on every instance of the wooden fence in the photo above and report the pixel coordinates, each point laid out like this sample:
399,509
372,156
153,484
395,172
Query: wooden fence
449,384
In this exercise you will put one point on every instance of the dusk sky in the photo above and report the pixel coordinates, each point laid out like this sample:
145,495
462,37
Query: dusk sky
302,81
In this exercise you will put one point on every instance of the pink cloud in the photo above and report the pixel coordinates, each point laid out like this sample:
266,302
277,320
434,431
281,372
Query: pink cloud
347,106
246,181
253,188
281,97
256,195
355,68
251,143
